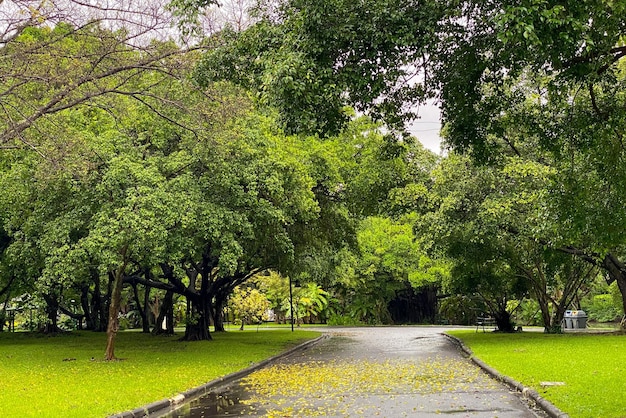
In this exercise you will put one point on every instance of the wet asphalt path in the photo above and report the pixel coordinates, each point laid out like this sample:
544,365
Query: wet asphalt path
366,372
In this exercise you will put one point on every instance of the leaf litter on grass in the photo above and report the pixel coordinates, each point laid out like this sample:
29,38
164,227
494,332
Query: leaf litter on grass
332,388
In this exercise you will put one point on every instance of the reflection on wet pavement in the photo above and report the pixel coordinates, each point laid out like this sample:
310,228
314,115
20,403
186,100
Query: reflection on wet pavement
382,371
224,403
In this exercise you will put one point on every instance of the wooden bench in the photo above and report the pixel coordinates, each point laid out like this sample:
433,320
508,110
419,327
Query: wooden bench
485,321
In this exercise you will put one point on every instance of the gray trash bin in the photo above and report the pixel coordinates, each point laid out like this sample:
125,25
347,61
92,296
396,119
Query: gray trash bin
567,318
579,319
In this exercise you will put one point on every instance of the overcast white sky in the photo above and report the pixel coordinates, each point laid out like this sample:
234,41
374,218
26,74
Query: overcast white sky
426,129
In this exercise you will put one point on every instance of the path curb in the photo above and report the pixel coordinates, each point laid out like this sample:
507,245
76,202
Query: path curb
163,404
527,392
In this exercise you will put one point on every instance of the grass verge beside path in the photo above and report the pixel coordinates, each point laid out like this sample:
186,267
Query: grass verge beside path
56,377
592,366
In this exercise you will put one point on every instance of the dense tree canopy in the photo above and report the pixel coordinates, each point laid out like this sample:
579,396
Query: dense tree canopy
175,178
312,59
493,222
537,80
128,159
186,190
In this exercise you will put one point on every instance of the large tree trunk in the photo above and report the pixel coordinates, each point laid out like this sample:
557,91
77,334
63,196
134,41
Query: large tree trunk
218,320
84,304
498,309
503,320
218,312
146,310
166,313
544,308
52,312
198,320
114,310
96,318
199,305
538,283
3,313
557,318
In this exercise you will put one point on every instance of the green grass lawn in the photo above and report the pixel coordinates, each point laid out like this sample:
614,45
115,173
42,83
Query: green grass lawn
35,381
592,366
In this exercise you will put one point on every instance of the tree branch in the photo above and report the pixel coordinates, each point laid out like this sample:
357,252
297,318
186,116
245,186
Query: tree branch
593,258
8,286
133,280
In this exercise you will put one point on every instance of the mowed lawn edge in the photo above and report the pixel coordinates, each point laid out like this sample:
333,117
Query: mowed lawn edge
591,366
65,375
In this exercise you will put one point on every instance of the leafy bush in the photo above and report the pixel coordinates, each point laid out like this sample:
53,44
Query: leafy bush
130,320
66,323
528,313
603,308
460,309
248,305
342,320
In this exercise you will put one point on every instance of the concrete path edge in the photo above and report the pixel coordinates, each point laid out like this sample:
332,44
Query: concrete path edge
527,392
163,404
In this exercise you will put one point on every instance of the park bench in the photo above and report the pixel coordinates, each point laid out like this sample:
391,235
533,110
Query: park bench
485,321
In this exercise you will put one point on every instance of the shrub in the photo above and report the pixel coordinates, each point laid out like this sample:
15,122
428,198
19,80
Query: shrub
343,320
528,313
460,309
603,308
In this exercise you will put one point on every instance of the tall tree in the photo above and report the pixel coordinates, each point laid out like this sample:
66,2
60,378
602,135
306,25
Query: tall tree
311,59
105,182
493,222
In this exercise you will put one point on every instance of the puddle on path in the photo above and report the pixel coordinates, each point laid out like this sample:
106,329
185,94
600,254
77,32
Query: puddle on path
223,403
